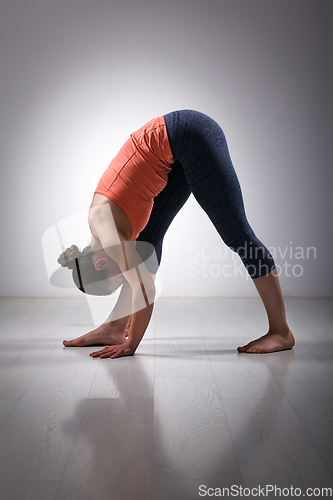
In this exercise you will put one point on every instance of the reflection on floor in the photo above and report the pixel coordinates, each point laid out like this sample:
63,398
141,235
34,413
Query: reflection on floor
186,412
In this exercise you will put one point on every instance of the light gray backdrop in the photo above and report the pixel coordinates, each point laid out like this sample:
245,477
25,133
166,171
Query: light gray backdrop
78,76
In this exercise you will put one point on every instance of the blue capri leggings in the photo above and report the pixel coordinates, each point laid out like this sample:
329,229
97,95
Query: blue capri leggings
202,166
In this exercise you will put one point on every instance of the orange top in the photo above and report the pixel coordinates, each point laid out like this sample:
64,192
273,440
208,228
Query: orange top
138,173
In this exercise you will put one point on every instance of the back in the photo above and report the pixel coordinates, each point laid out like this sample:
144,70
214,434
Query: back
138,173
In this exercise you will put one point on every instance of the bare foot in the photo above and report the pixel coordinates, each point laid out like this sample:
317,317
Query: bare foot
106,334
271,342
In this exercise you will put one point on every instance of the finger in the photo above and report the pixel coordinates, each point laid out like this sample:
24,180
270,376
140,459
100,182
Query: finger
120,352
106,355
116,355
96,354
116,352
101,350
108,352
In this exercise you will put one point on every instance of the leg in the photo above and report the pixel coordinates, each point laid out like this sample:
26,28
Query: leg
279,336
166,206
199,143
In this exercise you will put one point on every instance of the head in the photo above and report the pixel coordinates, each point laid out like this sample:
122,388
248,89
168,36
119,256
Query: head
93,272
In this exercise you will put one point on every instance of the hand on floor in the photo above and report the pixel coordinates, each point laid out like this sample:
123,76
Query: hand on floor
113,351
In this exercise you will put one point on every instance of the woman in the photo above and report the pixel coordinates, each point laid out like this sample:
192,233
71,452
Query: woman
135,201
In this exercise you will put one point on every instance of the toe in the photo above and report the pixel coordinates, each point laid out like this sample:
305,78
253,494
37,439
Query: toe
69,343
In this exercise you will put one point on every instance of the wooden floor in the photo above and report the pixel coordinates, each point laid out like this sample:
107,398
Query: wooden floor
185,411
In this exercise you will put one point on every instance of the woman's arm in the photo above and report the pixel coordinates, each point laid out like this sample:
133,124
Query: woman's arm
138,278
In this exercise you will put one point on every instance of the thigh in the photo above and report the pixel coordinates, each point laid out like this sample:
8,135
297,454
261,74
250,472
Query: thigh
212,178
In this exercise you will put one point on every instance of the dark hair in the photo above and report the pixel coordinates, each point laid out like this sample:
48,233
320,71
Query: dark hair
85,275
